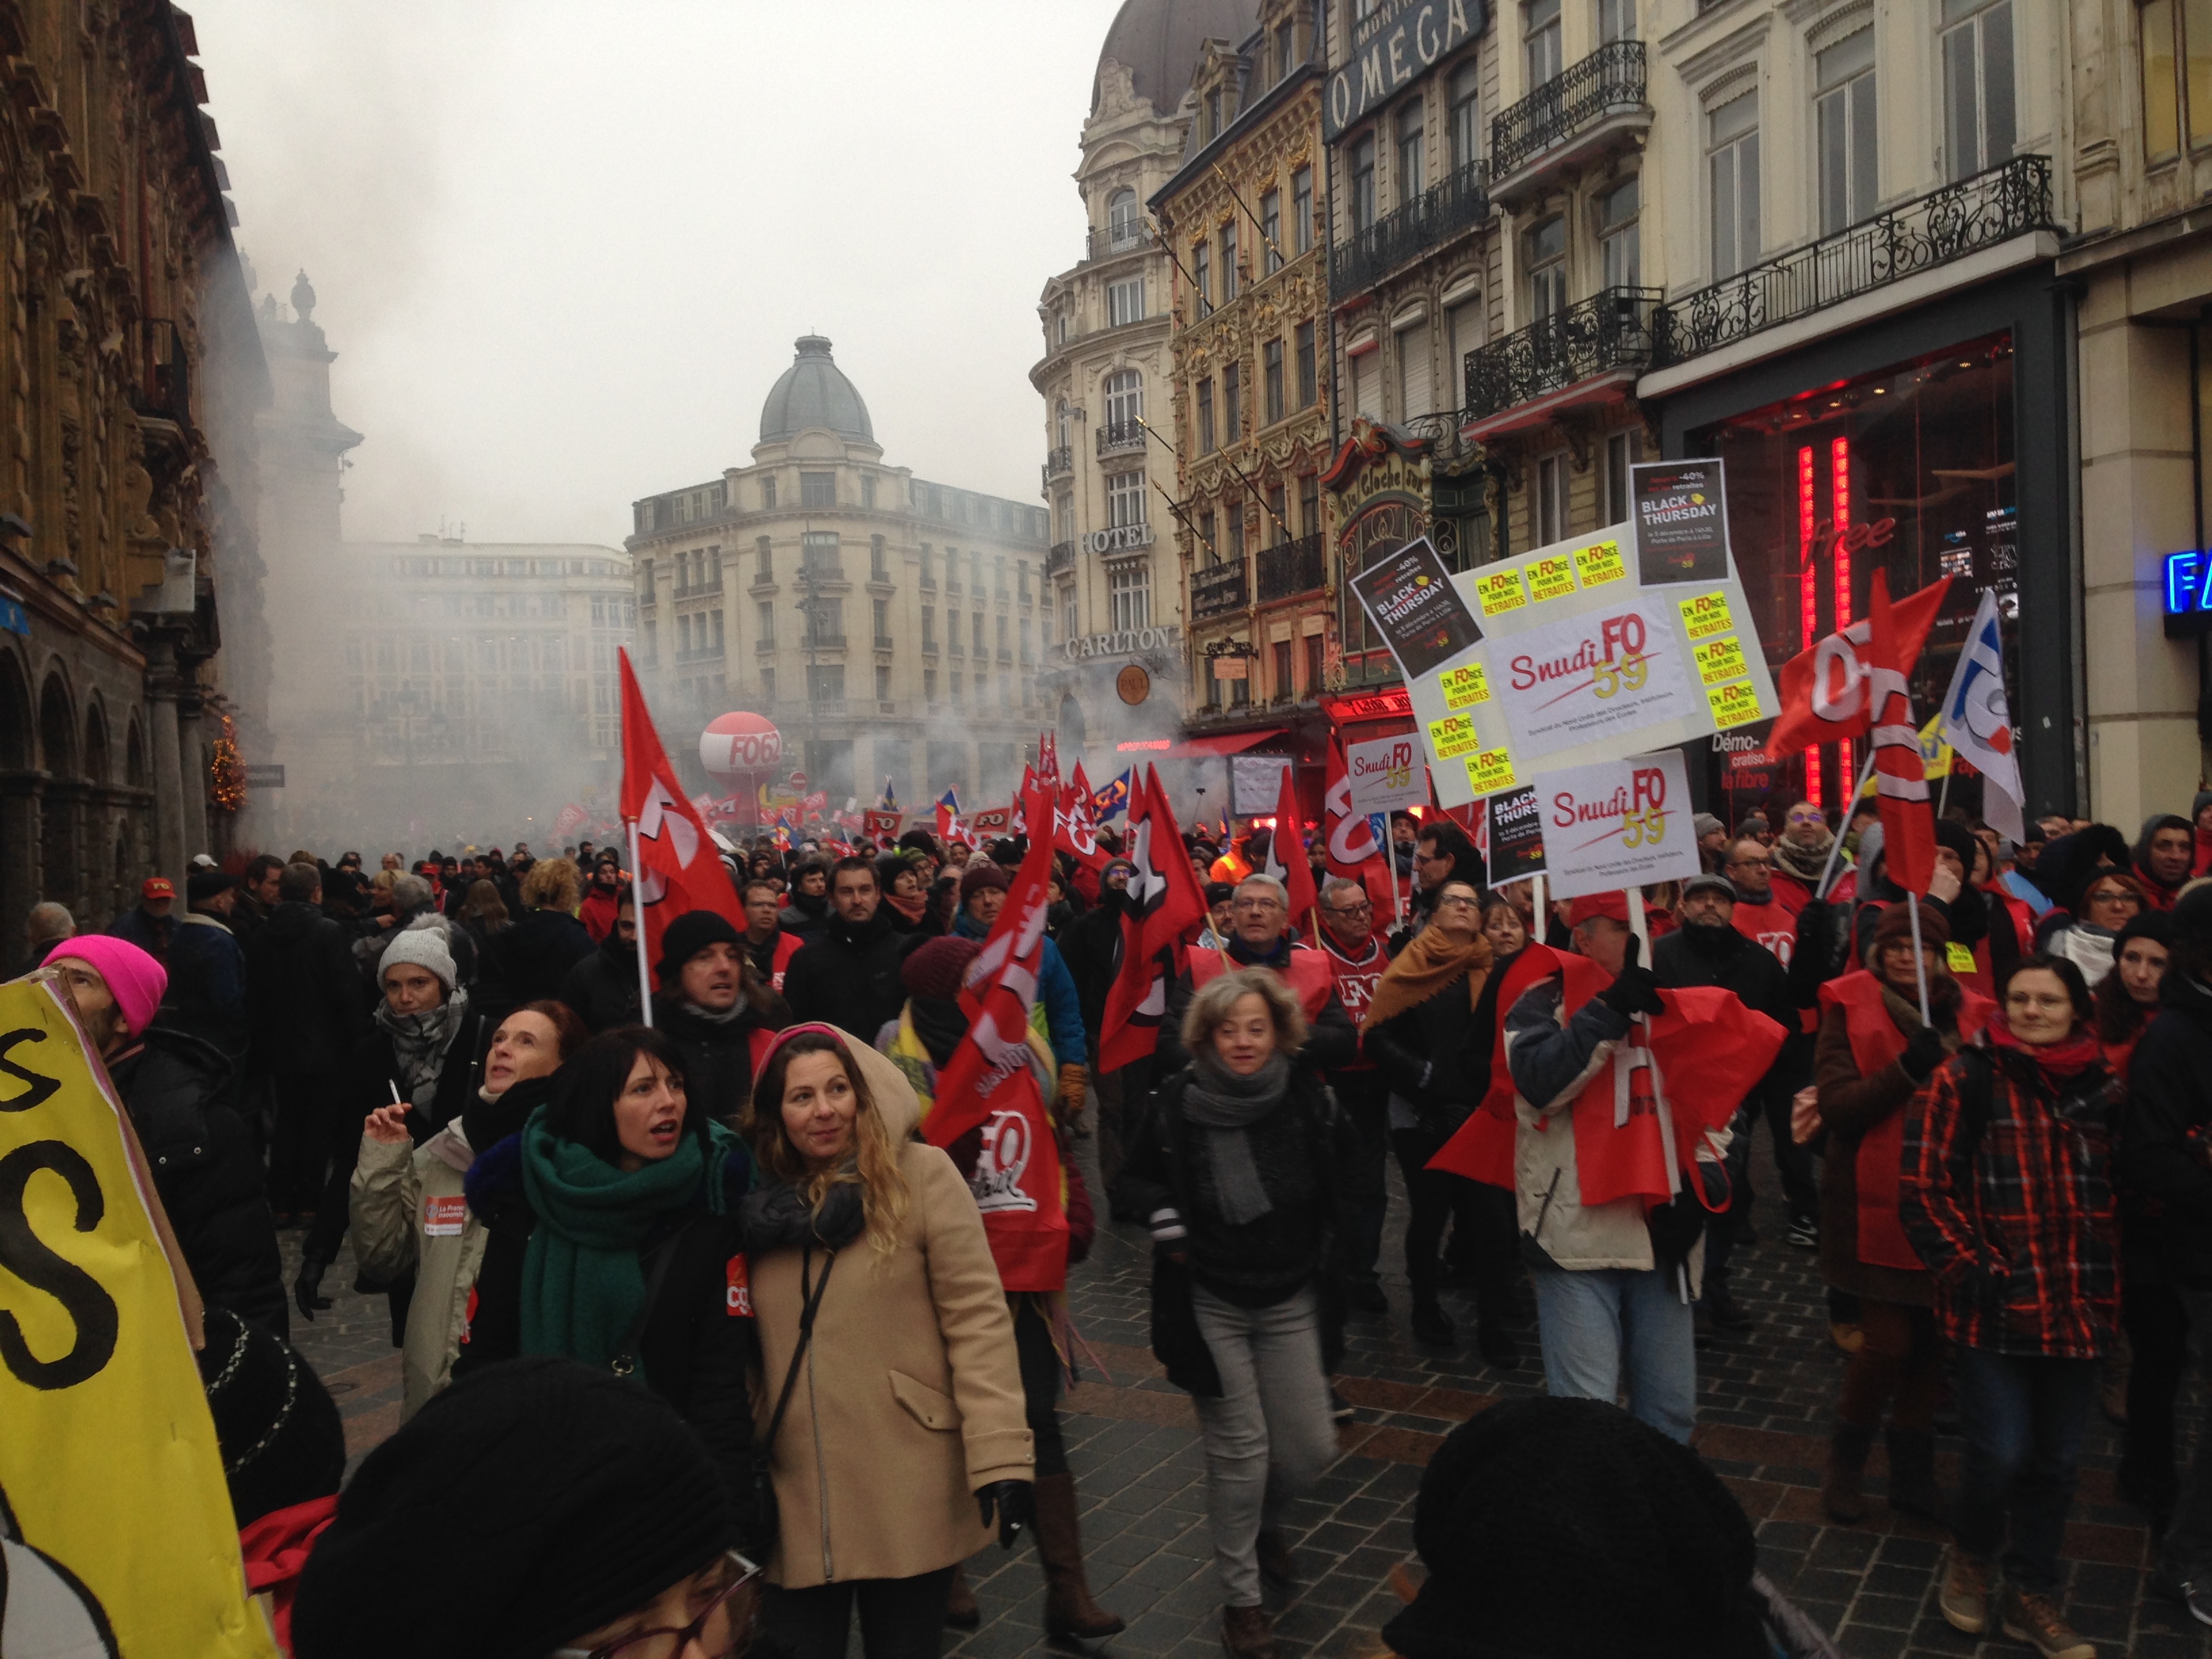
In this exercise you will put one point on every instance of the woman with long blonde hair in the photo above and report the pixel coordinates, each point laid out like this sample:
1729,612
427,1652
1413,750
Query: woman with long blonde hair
890,1416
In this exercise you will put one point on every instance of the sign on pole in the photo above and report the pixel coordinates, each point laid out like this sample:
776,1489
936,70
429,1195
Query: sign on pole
1618,823
1386,774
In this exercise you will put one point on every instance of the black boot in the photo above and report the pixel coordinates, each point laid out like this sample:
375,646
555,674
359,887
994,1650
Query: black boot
1912,1488
1847,1454
1432,1328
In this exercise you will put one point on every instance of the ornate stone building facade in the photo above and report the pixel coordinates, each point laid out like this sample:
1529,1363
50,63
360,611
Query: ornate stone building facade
1243,218
890,626
131,370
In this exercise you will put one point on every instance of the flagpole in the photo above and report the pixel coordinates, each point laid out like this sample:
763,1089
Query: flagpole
1390,863
1836,847
1919,962
637,908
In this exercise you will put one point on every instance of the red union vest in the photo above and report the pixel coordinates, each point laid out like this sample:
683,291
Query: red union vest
1308,974
1880,1166
787,945
1772,925
1355,984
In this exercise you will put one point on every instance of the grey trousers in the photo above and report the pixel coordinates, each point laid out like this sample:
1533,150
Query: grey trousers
1269,1435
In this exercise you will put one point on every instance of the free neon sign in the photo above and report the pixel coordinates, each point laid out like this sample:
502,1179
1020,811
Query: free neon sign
2188,594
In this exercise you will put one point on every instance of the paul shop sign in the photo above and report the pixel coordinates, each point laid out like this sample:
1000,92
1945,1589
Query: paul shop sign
1393,48
1619,824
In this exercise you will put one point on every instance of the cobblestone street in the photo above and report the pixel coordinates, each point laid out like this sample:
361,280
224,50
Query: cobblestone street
1764,1410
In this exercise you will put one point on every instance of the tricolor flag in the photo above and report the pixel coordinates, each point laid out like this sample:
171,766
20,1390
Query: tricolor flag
1977,721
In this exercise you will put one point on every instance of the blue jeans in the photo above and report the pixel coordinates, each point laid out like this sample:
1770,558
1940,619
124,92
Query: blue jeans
2022,1416
1606,1322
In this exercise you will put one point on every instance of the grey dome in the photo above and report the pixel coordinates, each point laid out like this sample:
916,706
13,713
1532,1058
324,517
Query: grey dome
1157,41
814,391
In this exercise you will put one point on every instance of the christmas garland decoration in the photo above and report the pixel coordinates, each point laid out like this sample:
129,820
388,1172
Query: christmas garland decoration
228,772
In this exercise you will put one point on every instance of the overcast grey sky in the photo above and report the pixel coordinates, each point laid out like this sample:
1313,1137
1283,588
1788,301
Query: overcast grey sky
562,249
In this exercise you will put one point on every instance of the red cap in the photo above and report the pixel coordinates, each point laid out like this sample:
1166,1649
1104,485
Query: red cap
1590,906
157,887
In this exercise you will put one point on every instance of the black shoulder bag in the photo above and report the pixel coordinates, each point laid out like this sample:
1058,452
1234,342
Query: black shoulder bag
625,1363
758,1522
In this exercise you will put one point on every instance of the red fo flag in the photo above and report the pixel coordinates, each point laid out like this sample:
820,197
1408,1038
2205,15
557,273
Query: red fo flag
679,870
990,1084
1349,849
1900,771
1163,901
1286,855
1825,697
993,821
880,825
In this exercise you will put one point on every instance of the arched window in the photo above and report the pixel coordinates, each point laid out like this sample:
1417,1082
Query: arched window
1123,224
1125,398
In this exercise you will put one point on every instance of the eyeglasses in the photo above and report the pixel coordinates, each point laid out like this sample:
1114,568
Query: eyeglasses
666,1641
1809,817
1460,900
1360,908
1751,864
2114,895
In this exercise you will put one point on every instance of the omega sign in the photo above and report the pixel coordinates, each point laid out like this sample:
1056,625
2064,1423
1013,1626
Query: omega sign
1119,538
1393,50
1126,643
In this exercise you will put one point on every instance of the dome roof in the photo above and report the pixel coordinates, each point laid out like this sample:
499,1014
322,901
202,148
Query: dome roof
814,391
1157,41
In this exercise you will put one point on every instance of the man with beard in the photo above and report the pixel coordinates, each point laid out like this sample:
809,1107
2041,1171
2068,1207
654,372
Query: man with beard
1708,948
717,1010
1759,914
1800,856
808,913
1357,958
2163,854
848,976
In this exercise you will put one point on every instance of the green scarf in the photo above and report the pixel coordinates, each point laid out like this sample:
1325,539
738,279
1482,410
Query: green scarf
582,1279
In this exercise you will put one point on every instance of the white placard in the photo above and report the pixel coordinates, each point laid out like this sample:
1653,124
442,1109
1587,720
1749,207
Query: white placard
1618,823
1603,673
1256,784
1387,774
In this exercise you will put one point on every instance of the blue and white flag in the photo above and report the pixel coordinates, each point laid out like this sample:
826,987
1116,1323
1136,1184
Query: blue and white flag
1977,721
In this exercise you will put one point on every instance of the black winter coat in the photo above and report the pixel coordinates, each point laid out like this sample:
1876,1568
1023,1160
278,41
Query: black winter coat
849,977
308,1013
717,1055
1686,957
536,954
694,1351
1437,1054
1089,945
603,988
207,1171
2166,1190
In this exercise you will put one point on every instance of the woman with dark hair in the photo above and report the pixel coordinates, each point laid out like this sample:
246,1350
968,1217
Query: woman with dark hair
899,878
890,1406
611,1218
2008,1199
2127,998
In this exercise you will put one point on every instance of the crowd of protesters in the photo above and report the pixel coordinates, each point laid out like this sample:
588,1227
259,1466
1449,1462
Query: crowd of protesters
618,1234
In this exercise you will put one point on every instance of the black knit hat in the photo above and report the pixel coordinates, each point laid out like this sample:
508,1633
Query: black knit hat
1567,1529
278,1427
526,1505
936,969
689,935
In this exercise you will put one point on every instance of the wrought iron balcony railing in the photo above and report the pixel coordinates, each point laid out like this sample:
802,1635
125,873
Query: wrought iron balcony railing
1058,459
1607,82
1611,330
1217,590
1062,557
1107,240
2006,201
1120,437
1297,566
1459,203
1440,430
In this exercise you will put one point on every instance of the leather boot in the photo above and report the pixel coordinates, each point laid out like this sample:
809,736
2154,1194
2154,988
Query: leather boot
1912,1488
1068,1608
961,1612
1840,1489
1248,1634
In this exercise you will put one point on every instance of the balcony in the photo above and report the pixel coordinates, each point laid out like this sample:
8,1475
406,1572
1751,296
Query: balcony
1441,432
1059,461
1291,567
1005,654
764,647
1459,204
1062,557
1590,352
1996,206
1106,241
822,573
1568,122
825,642
1119,438
1218,590
883,641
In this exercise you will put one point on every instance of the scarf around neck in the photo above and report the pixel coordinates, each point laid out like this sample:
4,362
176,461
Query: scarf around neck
1805,863
775,1216
583,1279
2061,1063
1226,1106
1428,964
419,1043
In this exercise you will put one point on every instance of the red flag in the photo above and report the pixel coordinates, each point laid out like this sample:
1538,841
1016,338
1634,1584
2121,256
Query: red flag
990,1082
1900,771
1164,900
993,821
881,826
1048,756
679,871
1286,855
1349,848
1824,689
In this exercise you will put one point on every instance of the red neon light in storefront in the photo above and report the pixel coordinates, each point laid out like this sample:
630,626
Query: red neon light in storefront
1839,494
1808,592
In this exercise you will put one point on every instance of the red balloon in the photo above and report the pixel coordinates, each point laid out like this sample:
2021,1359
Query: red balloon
739,746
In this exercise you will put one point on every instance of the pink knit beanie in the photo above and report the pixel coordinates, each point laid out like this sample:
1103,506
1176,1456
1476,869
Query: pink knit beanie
136,979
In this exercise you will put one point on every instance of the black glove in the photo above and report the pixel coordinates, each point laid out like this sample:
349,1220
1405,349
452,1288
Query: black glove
308,1287
1923,1054
1634,991
1015,1505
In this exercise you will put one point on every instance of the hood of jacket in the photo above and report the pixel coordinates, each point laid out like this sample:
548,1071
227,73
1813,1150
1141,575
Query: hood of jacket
2151,825
888,1087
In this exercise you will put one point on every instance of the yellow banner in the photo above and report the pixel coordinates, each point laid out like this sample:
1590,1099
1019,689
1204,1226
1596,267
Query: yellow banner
1935,753
108,1459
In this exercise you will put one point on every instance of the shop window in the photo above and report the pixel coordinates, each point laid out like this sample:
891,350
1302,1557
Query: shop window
1616,19
1416,383
1541,42
1732,180
1544,254
1411,170
1844,136
1271,231
1466,116
1302,210
1550,516
1362,181
1620,242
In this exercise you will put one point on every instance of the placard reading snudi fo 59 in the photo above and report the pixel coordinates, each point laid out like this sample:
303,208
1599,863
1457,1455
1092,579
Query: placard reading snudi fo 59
1630,639
1618,823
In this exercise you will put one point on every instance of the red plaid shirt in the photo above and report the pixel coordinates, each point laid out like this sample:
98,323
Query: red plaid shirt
2006,1195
